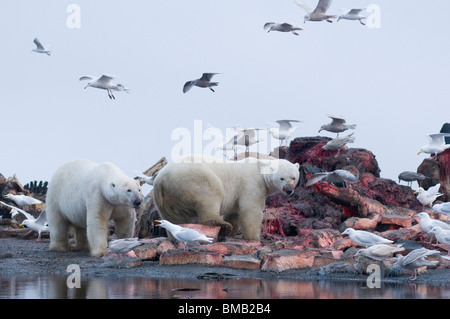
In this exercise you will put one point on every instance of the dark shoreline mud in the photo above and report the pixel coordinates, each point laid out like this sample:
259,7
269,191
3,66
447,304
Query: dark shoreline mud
27,258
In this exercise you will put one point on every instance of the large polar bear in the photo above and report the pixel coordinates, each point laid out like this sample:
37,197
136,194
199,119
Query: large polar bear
86,195
202,189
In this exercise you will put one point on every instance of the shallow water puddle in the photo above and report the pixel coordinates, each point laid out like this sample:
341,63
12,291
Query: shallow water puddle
126,288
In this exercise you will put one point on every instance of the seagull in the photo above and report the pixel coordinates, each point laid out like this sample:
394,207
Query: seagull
232,144
427,223
443,208
39,47
415,259
203,82
38,225
246,137
427,197
105,83
410,177
185,235
282,27
123,246
337,125
437,145
317,14
284,131
353,14
379,251
442,236
146,179
22,200
338,143
364,238
334,177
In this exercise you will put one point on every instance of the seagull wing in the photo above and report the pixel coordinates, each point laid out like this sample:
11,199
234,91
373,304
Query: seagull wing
433,190
188,85
188,235
38,44
305,7
286,124
337,120
105,79
355,11
42,218
316,178
322,6
27,215
86,77
207,76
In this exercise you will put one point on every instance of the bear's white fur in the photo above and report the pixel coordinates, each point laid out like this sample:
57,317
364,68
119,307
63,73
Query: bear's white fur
86,195
204,189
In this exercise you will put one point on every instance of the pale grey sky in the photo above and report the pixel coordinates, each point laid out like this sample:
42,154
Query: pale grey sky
391,81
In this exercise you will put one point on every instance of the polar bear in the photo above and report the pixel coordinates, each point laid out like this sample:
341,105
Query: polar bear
202,189
86,195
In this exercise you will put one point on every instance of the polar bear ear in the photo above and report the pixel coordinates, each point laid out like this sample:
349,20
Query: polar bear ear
297,165
267,166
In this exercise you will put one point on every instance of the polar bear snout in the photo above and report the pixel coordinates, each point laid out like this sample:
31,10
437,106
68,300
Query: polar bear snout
288,190
137,203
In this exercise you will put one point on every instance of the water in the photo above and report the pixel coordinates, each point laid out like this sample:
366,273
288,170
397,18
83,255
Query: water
142,288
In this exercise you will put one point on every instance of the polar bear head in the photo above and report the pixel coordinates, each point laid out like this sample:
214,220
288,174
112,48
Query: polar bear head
124,193
280,175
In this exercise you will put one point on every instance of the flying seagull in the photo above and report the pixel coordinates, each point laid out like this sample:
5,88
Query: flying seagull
40,48
317,14
282,27
337,125
353,14
105,83
203,82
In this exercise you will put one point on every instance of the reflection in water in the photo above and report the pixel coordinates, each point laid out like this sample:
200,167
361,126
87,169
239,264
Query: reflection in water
103,288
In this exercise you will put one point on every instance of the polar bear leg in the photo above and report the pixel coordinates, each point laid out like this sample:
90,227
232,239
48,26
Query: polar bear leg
97,230
250,224
58,228
232,219
124,219
209,214
81,242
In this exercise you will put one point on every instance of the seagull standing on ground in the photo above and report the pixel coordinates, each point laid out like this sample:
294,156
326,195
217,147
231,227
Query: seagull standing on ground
364,238
414,260
427,197
337,125
203,82
185,235
123,246
442,236
40,48
282,27
437,145
353,14
284,131
105,83
246,137
317,14
410,177
338,143
379,251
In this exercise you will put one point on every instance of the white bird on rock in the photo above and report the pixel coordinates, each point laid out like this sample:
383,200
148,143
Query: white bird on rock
203,82
338,143
337,125
353,14
442,236
379,251
427,197
365,238
22,200
105,83
185,235
443,208
284,131
39,225
414,260
281,27
317,14
437,145
123,246
427,223
40,48
334,177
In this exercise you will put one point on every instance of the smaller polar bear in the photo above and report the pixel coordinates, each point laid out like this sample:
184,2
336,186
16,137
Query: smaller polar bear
86,195
203,189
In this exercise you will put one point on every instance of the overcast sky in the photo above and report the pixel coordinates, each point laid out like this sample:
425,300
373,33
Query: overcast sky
391,81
